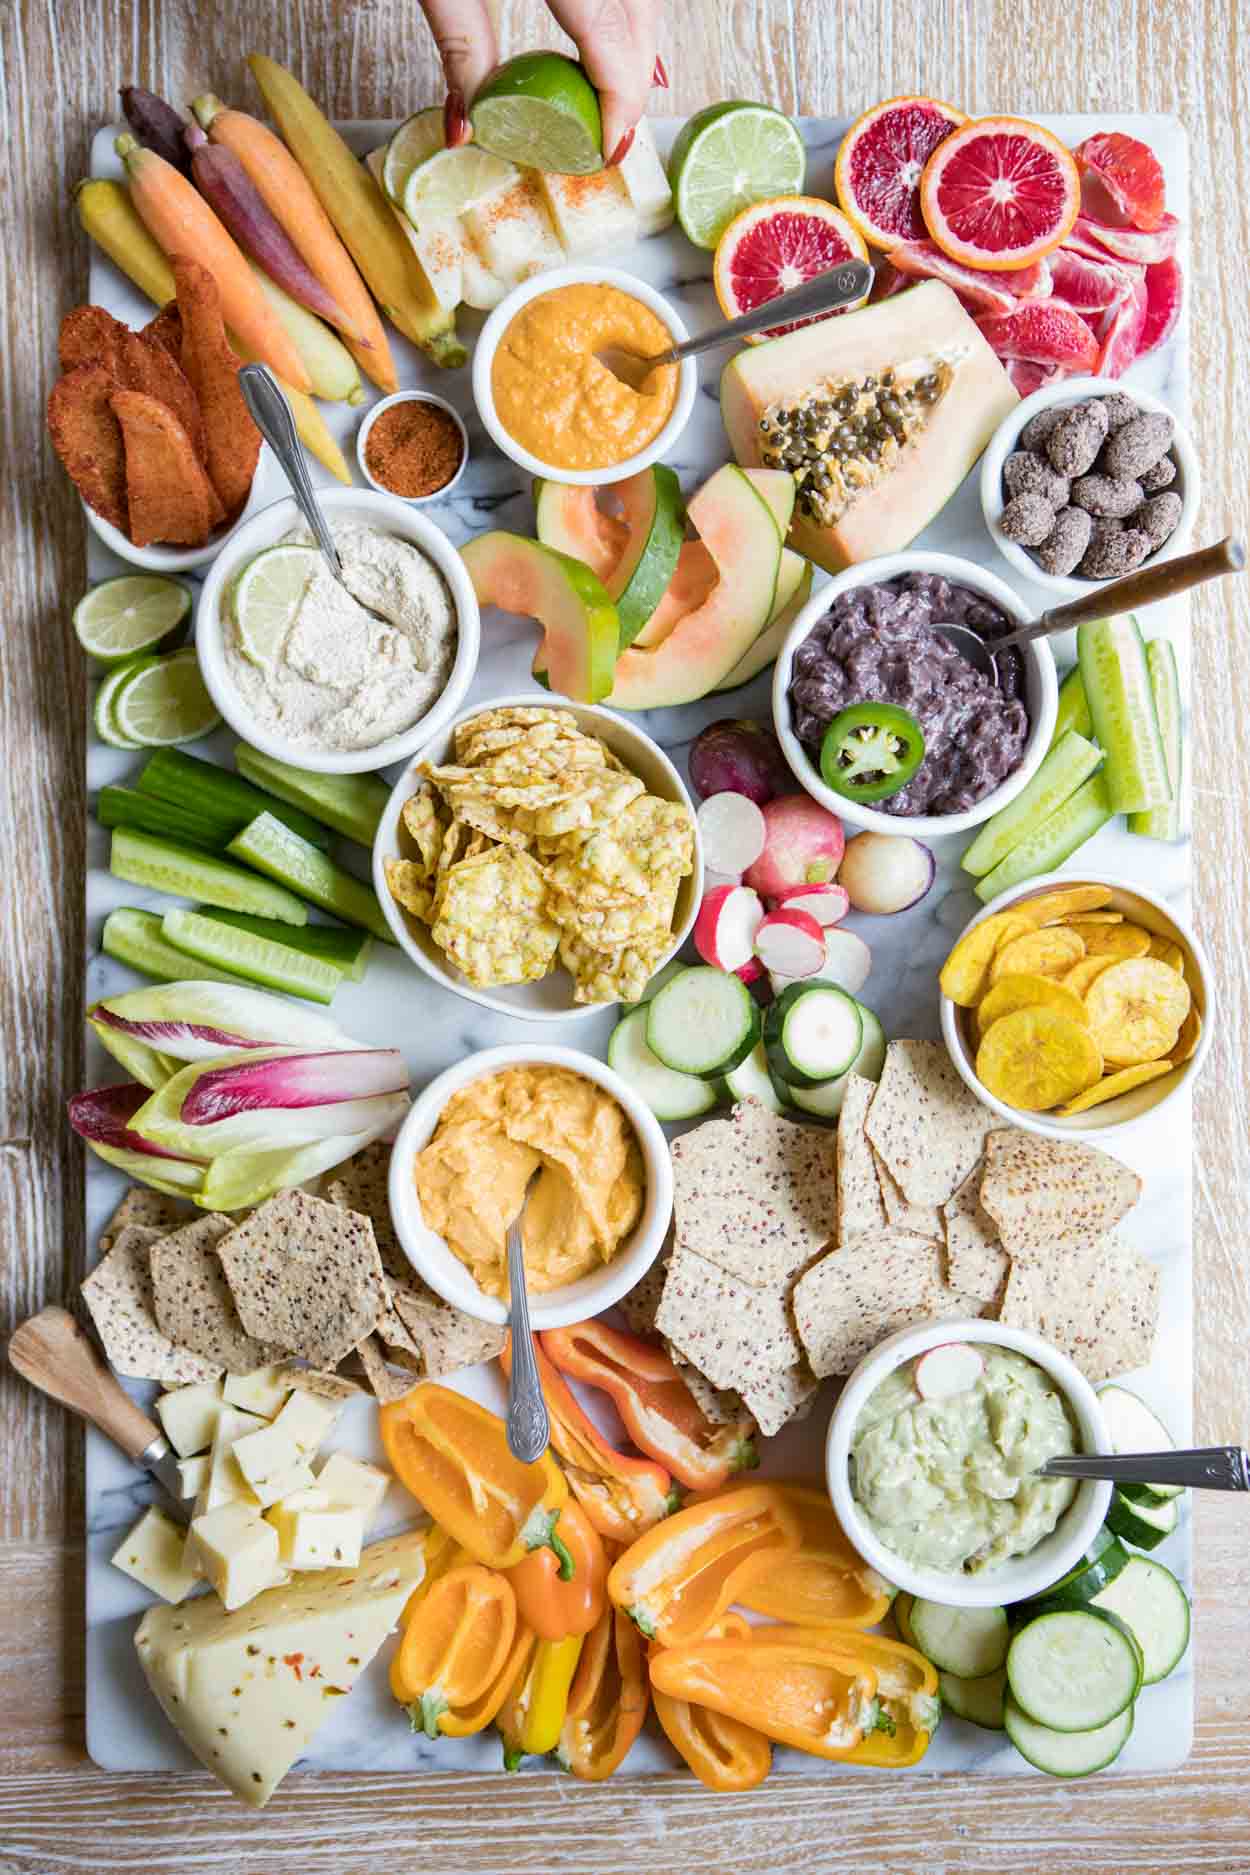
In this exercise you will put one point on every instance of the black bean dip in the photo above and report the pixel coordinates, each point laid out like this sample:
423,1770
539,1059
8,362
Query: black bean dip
876,643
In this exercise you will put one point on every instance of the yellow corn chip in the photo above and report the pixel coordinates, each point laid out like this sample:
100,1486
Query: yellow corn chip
1110,940
965,971
1035,1058
1069,901
1112,1086
1046,953
1024,990
1136,1009
407,882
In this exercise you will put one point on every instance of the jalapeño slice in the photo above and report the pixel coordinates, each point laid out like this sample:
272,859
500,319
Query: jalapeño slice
870,751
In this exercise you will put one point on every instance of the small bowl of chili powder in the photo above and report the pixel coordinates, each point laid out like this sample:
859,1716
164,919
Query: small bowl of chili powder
413,445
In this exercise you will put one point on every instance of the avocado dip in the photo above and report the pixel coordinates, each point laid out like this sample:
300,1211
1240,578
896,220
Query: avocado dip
945,1483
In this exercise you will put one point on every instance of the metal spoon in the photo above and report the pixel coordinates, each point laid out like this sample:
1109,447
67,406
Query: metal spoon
529,1430
1145,587
1204,1467
822,294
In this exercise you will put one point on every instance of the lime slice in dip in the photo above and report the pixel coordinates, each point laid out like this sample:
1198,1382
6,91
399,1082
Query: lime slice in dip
267,596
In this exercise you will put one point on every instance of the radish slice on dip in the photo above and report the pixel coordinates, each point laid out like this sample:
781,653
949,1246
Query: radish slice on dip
848,961
885,872
724,931
943,1372
792,942
827,904
733,832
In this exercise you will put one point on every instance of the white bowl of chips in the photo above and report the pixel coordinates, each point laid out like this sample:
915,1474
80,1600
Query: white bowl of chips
429,1253
1138,1088
1019,1576
549,997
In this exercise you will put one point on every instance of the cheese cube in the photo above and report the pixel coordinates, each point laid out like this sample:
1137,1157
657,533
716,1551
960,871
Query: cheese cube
351,1484
512,232
282,1516
193,1473
314,1535
272,1463
225,1483
154,1554
642,172
261,1392
308,1419
591,213
189,1416
237,1551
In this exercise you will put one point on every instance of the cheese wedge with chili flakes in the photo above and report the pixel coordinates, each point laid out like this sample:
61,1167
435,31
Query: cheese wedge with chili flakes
248,1691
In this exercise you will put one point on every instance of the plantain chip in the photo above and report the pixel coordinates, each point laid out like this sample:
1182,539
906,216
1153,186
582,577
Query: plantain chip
1047,953
1168,952
1136,1009
1112,1086
1026,990
1111,940
965,970
1070,902
1036,1058
1082,974
1090,917
1187,1040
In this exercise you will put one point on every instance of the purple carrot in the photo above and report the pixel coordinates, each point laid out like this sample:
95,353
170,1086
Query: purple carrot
157,125
224,183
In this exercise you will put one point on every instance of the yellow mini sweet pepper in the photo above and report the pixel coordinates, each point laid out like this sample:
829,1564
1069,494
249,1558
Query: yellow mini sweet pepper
532,1716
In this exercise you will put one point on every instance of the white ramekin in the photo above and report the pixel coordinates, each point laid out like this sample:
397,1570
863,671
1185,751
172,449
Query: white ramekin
158,559
1020,1576
411,397
502,317
572,1302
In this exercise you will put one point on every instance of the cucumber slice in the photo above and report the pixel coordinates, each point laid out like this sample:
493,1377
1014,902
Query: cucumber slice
871,1057
1155,1607
1073,712
258,959
825,1102
1142,1525
273,849
1117,683
751,1080
1069,827
978,1701
670,1095
1100,1565
216,794
1066,1754
134,937
671,969
813,1032
657,517
902,1619
967,1641
1134,1428
126,807
142,859
348,951
1074,1669
351,804
704,1022
1164,823
102,709
1068,764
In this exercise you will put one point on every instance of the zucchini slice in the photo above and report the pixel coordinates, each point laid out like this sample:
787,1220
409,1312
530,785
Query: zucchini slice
1074,1669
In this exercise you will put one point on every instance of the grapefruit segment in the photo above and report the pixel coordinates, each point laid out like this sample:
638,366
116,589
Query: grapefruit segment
1165,289
775,245
999,192
1142,247
568,600
1119,333
1121,180
1085,284
979,291
1046,334
880,162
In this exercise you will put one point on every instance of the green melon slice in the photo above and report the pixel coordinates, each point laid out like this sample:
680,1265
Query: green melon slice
581,629
571,520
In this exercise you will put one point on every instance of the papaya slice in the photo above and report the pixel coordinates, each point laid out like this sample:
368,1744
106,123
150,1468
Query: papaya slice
579,621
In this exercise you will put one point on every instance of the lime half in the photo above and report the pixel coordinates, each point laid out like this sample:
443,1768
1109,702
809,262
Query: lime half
417,137
727,157
266,598
102,710
163,701
540,110
123,617
451,181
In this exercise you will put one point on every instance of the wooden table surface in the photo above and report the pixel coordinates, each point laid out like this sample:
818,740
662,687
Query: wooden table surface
62,61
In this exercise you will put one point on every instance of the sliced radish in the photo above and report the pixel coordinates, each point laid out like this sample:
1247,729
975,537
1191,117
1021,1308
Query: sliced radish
733,830
827,904
943,1372
790,941
751,971
885,872
724,931
713,879
848,961
805,843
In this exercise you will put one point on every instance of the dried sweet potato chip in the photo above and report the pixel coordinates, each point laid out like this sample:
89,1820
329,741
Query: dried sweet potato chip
1136,1009
1046,953
1067,902
231,439
1035,1058
168,496
91,336
1187,1040
1027,990
87,437
1168,953
965,971
1112,1086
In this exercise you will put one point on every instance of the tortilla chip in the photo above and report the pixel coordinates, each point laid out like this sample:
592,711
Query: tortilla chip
925,1125
864,1290
312,1380
152,1209
193,1302
91,336
775,1399
231,439
169,498
860,1204
387,1385
640,1305
87,437
922,1220
1100,1305
976,1263
755,1193
118,1293
1048,1193
449,1339
736,1334
305,1276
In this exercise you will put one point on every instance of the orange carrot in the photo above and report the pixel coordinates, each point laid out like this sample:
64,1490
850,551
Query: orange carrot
183,223
292,201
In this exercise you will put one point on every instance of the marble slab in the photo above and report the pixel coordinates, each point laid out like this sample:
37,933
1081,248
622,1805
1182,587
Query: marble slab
125,1729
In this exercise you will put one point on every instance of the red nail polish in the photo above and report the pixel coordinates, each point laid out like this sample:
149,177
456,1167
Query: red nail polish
455,120
659,76
622,149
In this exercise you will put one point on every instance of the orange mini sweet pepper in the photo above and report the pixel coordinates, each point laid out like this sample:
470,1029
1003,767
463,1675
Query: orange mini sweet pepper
452,1454
608,1699
460,1653
824,1581
796,1687
682,1576
723,1753
560,1587
657,1408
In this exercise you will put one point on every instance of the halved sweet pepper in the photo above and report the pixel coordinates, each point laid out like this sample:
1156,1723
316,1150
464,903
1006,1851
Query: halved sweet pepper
452,1454
561,1587
824,1581
723,1753
682,1576
608,1699
907,1694
460,1653
532,1716
797,1687
622,1496
657,1408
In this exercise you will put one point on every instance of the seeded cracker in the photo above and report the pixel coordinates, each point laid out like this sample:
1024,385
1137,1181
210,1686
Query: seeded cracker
386,1384
151,1209
118,1293
755,1194
776,1399
447,1338
193,1302
721,1406
923,1220
305,1276
1051,1194
926,1126
325,1386
860,1205
735,1334
975,1260
1100,1305
866,1289
640,1305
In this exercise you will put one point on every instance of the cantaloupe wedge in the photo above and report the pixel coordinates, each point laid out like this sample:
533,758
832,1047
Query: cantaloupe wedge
581,630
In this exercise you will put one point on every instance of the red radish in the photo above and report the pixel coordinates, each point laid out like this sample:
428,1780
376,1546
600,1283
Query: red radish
943,1372
752,971
885,872
848,961
712,879
724,931
804,846
827,904
738,757
792,942
733,832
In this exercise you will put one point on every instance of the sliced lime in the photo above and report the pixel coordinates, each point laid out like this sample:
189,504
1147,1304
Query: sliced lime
105,697
540,110
727,157
163,701
451,181
266,598
124,617
417,137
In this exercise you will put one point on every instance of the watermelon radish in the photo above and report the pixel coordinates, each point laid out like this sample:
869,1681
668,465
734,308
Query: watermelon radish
581,631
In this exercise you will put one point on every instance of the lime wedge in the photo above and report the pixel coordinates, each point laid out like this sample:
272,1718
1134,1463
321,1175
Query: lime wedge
727,157
451,181
266,598
163,701
417,137
540,110
105,697
123,617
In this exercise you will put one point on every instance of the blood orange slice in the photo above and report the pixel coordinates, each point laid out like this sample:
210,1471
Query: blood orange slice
775,245
1044,333
1165,288
999,193
881,160
1120,330
1121,181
